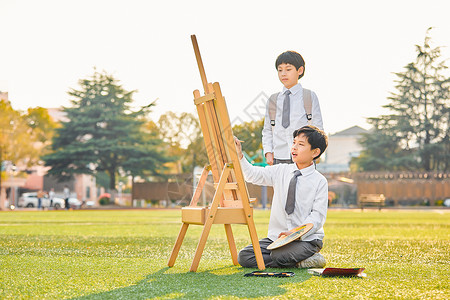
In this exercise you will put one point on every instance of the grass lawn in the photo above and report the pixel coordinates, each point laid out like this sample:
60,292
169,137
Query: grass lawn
123,254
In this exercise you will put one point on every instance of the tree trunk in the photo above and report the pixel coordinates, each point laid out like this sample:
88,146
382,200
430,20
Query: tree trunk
132,189
112,180
426,154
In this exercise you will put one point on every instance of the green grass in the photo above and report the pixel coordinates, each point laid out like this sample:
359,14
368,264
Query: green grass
123,254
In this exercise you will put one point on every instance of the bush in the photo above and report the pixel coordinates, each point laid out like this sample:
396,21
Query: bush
104,200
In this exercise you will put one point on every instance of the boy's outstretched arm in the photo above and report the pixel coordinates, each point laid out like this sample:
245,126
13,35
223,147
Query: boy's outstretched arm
253,174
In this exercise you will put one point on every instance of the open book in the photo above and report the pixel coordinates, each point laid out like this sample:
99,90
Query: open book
347,272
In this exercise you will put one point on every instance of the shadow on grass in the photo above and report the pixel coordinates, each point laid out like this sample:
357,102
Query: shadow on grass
202,285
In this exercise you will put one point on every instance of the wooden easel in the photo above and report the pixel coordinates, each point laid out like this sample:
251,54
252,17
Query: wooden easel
231,203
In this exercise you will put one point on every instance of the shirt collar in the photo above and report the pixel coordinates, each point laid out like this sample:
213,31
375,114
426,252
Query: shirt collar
294,90
305,171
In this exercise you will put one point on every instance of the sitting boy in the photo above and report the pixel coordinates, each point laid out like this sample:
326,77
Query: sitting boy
307,190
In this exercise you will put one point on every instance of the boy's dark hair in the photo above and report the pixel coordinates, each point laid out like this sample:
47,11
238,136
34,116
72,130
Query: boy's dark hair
315,137
293,58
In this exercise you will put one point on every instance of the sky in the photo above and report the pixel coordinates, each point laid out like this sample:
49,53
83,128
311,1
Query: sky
351,49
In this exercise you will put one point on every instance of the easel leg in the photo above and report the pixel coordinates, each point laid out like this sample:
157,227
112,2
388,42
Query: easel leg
255,243
231,244
210,218
177,246
201,246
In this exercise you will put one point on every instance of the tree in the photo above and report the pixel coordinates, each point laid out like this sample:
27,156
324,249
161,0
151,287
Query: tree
179,130
103,134
41,125
251,134
183,133
416,134
196,154
24,136
139,163
382,151
14,145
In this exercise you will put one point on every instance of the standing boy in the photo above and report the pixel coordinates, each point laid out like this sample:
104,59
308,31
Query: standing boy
288,111
307,191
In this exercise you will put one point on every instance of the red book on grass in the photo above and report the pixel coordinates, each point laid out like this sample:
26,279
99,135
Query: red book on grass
347,272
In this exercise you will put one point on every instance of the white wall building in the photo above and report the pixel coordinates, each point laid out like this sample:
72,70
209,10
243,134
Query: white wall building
342,146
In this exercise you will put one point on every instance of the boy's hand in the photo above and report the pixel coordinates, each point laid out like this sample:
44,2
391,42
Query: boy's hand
238,145
286,233
269,158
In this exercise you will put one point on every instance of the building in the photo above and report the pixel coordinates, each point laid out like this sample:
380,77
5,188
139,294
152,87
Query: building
34,178
4,96
342,146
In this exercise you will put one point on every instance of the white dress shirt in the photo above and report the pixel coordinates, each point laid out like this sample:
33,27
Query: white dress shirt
311,197
280,140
